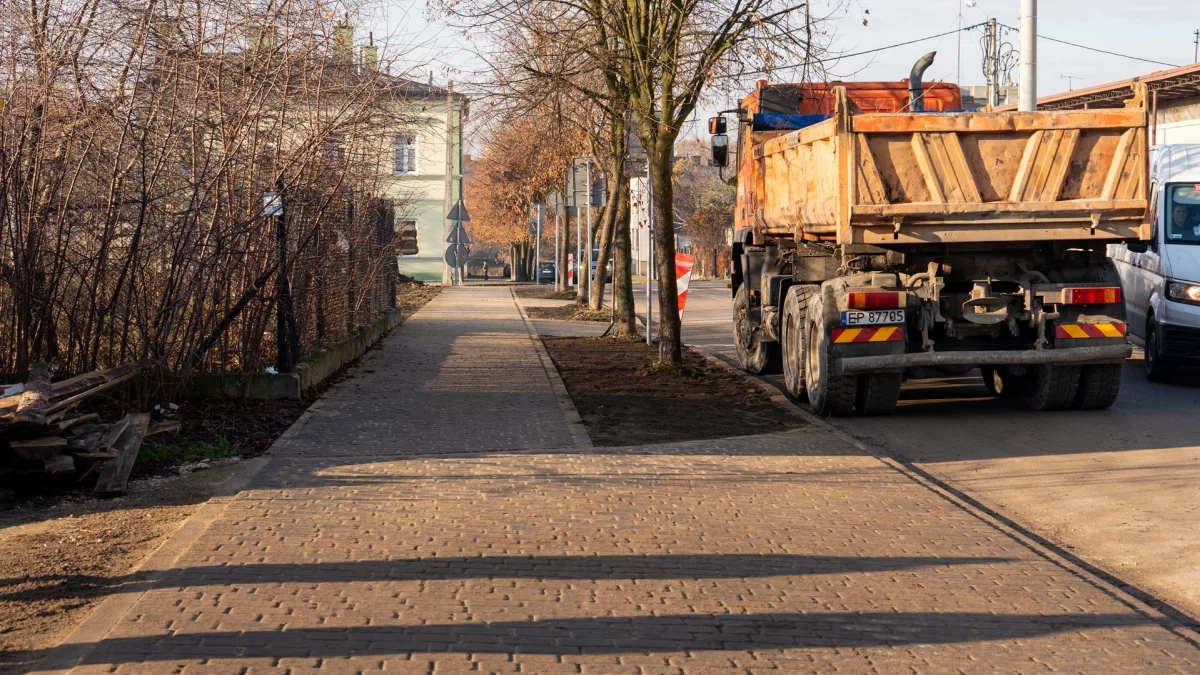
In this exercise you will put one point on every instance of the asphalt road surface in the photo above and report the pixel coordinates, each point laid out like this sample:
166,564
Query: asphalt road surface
1119,488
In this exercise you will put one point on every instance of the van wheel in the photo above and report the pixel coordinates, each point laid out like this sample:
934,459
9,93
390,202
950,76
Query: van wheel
792,326
1053,387
756,358
878,394
1157,368
829,395
1099,385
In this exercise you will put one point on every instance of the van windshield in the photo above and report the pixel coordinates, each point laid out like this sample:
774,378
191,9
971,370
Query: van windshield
1183,214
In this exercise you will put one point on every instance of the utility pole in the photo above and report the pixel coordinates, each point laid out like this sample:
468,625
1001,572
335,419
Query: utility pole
1196,52
589,230
448,202
558,209
992,61
960,13
285,322
1027,96
1070,80
537,244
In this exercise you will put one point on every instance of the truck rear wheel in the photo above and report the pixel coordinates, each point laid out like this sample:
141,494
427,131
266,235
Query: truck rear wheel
1099,385
878,394
793,324
755,356
828,394
1053,387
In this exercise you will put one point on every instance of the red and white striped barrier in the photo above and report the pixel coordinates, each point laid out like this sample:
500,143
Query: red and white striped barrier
683,277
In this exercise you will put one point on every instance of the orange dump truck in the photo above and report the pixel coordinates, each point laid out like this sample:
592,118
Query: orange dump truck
884,233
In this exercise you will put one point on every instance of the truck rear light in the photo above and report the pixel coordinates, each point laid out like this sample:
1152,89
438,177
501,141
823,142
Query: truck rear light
1091,296
873,300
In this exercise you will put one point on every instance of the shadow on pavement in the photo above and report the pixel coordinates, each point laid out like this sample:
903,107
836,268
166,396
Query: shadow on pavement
716,566
612,635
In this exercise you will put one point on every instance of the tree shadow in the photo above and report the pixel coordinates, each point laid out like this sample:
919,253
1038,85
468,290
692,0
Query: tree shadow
713,566
618,635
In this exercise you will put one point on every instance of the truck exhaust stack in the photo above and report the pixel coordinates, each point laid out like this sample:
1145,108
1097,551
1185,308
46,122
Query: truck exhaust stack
916,88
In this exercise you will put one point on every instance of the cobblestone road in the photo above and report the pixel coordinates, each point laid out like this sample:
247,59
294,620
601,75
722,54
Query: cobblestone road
434,516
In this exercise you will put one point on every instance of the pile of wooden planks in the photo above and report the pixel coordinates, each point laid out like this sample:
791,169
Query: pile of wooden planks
41,435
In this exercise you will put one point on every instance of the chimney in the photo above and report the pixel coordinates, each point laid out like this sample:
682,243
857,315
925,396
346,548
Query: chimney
371,54
262,37
343,38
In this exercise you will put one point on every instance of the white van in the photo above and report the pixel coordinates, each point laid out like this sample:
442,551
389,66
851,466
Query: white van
1161,277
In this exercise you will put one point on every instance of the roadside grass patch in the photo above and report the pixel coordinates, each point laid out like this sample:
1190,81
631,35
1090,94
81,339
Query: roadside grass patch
156,457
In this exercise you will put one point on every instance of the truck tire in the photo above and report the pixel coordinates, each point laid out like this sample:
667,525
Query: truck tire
1000,383
792,326
878,394
829,395
1053,387
1099,385
756,358
1158,369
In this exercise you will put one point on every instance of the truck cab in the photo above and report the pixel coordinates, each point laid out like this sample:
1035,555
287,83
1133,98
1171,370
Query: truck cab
1161,276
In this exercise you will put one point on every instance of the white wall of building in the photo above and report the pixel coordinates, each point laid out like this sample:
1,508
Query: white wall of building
1178,122
420,195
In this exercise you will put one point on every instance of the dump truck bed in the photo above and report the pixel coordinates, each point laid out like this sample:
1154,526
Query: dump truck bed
905,179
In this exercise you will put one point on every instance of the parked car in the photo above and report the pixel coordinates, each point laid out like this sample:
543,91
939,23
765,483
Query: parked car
1161,278
607,268
545,271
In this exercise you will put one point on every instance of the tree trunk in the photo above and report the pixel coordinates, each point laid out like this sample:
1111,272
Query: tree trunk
670,348
604,239
623,262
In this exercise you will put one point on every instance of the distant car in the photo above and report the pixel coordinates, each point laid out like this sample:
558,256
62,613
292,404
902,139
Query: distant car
607,268
545,271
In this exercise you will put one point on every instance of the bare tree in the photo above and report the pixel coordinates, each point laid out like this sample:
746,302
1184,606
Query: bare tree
135,151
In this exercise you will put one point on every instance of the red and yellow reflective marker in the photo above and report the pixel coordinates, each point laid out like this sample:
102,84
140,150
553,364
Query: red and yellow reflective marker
1078,331
843,336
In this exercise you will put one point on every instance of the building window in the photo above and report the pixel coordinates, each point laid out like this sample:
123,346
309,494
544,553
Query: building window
404,154
335,149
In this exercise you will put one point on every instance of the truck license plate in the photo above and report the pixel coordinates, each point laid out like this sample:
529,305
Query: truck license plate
872,318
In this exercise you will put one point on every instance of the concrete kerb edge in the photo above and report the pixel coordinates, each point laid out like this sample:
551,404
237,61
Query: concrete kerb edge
67,655
574,422
1170,617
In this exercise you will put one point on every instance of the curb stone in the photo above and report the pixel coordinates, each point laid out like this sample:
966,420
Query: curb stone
574,422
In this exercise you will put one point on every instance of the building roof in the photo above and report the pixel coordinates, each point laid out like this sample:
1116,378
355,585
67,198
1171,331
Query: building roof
1176,83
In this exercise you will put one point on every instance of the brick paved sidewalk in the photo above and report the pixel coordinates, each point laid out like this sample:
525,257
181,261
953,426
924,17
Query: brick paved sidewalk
366,546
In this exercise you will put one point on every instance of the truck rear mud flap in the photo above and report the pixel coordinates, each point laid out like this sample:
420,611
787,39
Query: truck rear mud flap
855,365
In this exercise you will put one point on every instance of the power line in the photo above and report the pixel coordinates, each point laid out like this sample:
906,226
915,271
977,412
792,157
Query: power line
872,51
1102,51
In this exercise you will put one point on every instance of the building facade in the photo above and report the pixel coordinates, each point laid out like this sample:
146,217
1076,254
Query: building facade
423,173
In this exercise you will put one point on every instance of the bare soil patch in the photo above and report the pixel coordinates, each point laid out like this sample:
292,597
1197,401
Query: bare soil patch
62,550
625,398
58,561
571,312
544,292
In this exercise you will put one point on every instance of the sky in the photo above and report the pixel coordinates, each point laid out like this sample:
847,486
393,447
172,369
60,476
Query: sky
1157,30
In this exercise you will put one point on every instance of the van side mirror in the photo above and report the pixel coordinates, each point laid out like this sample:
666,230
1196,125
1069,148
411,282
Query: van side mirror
1138,246
717,125
720,150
